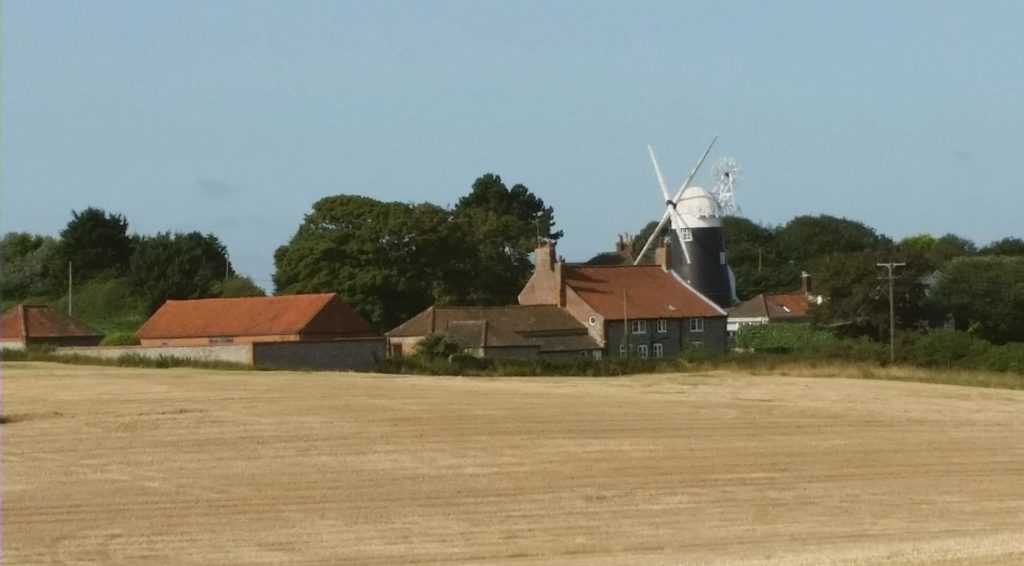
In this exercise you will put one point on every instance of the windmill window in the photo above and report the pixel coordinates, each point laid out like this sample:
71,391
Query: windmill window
721,257
687,235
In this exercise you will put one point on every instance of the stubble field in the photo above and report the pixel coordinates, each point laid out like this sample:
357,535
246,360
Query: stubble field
128,466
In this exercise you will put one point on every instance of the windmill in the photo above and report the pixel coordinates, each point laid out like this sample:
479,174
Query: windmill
695,215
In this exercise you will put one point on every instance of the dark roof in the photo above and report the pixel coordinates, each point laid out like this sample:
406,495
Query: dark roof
774,307
480,333
40,321
324,314
547,326
650,292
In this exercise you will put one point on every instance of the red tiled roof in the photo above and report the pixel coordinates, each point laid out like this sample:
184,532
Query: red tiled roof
774,307
40,321
788,305
651,292
323,313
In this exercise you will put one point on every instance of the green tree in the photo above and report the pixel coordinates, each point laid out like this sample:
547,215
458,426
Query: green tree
756,260
236,286
95,241
1006,246
503,227
856,297
28,265
177,266
985,295
805,239
937,251
388,260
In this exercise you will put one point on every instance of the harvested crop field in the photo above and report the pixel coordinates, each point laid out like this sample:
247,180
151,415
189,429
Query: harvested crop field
182,466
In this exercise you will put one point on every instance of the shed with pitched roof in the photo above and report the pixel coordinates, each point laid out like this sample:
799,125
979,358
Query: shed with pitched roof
287,318
26,325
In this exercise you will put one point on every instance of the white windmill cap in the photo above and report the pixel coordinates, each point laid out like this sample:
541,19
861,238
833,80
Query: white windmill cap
698,202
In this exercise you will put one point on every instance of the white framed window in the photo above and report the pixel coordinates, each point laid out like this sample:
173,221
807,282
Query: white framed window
639,326
696,325
659,351
687,234
622,351
662,326
641,351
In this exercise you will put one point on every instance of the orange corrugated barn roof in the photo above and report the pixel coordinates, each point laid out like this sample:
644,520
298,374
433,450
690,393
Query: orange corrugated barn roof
288,317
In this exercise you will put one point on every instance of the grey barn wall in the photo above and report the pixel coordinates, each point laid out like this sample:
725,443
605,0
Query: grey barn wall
233,353
332,355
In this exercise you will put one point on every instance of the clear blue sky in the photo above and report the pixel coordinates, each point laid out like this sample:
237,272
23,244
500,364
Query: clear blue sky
234,117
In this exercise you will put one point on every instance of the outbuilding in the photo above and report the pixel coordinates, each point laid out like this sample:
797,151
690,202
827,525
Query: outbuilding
27,325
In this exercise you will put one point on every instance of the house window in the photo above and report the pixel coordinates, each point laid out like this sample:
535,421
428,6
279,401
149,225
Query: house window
696,325
687,235
662,326
639,326
659,351
641,351
622,351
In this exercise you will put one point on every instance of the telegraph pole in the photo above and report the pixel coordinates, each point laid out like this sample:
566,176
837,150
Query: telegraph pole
69,289
892,308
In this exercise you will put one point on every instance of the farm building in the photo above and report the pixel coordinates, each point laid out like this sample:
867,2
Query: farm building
521,332
318,331
778,307
26,325
647,309
287,318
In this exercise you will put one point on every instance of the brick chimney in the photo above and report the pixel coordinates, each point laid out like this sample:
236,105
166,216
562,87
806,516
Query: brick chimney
663,255
625,243
545,286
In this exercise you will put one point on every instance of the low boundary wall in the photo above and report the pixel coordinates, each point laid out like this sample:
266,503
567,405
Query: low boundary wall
357,353
233,353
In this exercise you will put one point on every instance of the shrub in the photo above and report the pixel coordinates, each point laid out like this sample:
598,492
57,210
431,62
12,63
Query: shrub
784,338
437,346
1008,357
948,348
120,339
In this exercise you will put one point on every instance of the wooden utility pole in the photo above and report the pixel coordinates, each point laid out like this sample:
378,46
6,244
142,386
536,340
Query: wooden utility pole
892,308
625,324
69,289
